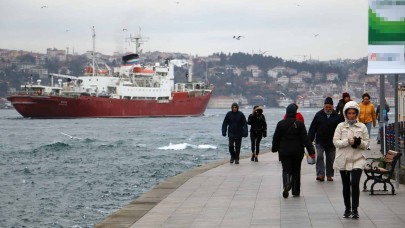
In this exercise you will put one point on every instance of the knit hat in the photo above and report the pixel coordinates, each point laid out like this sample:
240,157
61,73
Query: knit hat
291,110
345,94
328,100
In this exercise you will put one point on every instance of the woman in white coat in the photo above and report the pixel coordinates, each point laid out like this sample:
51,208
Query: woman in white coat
350,139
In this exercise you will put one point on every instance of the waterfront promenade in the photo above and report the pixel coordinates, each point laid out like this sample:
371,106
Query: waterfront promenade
249,195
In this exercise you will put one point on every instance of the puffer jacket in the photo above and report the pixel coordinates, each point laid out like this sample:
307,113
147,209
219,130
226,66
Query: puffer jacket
347,157
367,113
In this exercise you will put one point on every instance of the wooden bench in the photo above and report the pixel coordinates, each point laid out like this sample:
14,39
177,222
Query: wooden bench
382,171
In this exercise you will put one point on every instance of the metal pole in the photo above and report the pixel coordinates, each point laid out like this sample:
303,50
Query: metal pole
396,128
206,72
381,115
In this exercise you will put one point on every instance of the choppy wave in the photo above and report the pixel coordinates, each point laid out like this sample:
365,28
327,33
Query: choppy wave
183,146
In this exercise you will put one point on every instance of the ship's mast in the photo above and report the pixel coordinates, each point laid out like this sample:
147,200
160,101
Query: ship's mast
138,40
94,51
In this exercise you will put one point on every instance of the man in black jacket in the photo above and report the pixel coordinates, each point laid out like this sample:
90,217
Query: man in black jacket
235,123
322,130
289,140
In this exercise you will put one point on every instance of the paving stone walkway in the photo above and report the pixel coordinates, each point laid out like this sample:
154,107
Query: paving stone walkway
249,195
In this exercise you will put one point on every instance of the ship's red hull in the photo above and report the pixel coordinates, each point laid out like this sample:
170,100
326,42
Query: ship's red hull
182,104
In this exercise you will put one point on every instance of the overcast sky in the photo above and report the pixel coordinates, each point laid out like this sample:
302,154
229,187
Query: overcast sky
322,29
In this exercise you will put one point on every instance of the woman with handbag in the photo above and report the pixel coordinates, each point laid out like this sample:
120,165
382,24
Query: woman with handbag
289,140
350,139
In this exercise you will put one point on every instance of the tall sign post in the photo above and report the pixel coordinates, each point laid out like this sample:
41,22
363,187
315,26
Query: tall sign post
386,49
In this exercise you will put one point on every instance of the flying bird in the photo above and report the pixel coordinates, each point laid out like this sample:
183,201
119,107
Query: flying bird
238,37
124,29
315,35
67,30
44,7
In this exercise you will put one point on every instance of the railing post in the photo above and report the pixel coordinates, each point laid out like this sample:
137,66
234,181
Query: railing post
398,168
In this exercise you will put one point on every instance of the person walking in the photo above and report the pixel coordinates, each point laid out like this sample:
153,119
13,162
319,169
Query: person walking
351,138
258,129
385,119
341,104
289,140
367,114
321,130
236,125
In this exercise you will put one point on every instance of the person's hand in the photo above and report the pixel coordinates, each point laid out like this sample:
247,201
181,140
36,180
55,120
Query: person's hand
357,141
264,134
351,141
223,134
312,156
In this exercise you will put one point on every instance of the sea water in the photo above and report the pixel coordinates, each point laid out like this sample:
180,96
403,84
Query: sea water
76,172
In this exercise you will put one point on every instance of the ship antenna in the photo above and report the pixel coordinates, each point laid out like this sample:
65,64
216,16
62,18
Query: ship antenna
94,51
138,41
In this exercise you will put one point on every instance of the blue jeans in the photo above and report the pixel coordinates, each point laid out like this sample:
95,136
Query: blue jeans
368,125
320,161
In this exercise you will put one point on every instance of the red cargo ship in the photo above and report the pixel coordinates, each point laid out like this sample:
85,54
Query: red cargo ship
131,90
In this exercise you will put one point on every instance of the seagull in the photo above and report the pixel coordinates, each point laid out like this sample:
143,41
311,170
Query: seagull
238,37
67,30
44,7
177,2
315,35
124,29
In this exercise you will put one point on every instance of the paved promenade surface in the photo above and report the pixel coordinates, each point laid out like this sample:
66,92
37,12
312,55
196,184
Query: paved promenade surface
249,195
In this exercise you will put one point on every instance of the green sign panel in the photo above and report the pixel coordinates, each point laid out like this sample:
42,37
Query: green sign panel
386,37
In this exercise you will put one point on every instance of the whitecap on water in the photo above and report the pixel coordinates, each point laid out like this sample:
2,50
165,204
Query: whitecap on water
182,146
206,147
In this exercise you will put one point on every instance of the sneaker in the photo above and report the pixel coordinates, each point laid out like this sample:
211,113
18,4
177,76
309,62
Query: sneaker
355,214
253,157
347,213
256,160
236,161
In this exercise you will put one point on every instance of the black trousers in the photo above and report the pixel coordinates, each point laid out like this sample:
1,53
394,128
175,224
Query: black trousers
292,171
234,147
351,182
255,139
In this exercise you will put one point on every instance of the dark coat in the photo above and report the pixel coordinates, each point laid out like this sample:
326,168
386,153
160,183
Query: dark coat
290,138
235,123
323,128
339,108
258,124
387,110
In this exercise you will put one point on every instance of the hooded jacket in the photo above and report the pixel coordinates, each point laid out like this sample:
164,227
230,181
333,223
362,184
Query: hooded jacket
235,123
290,136
257,122
347,157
